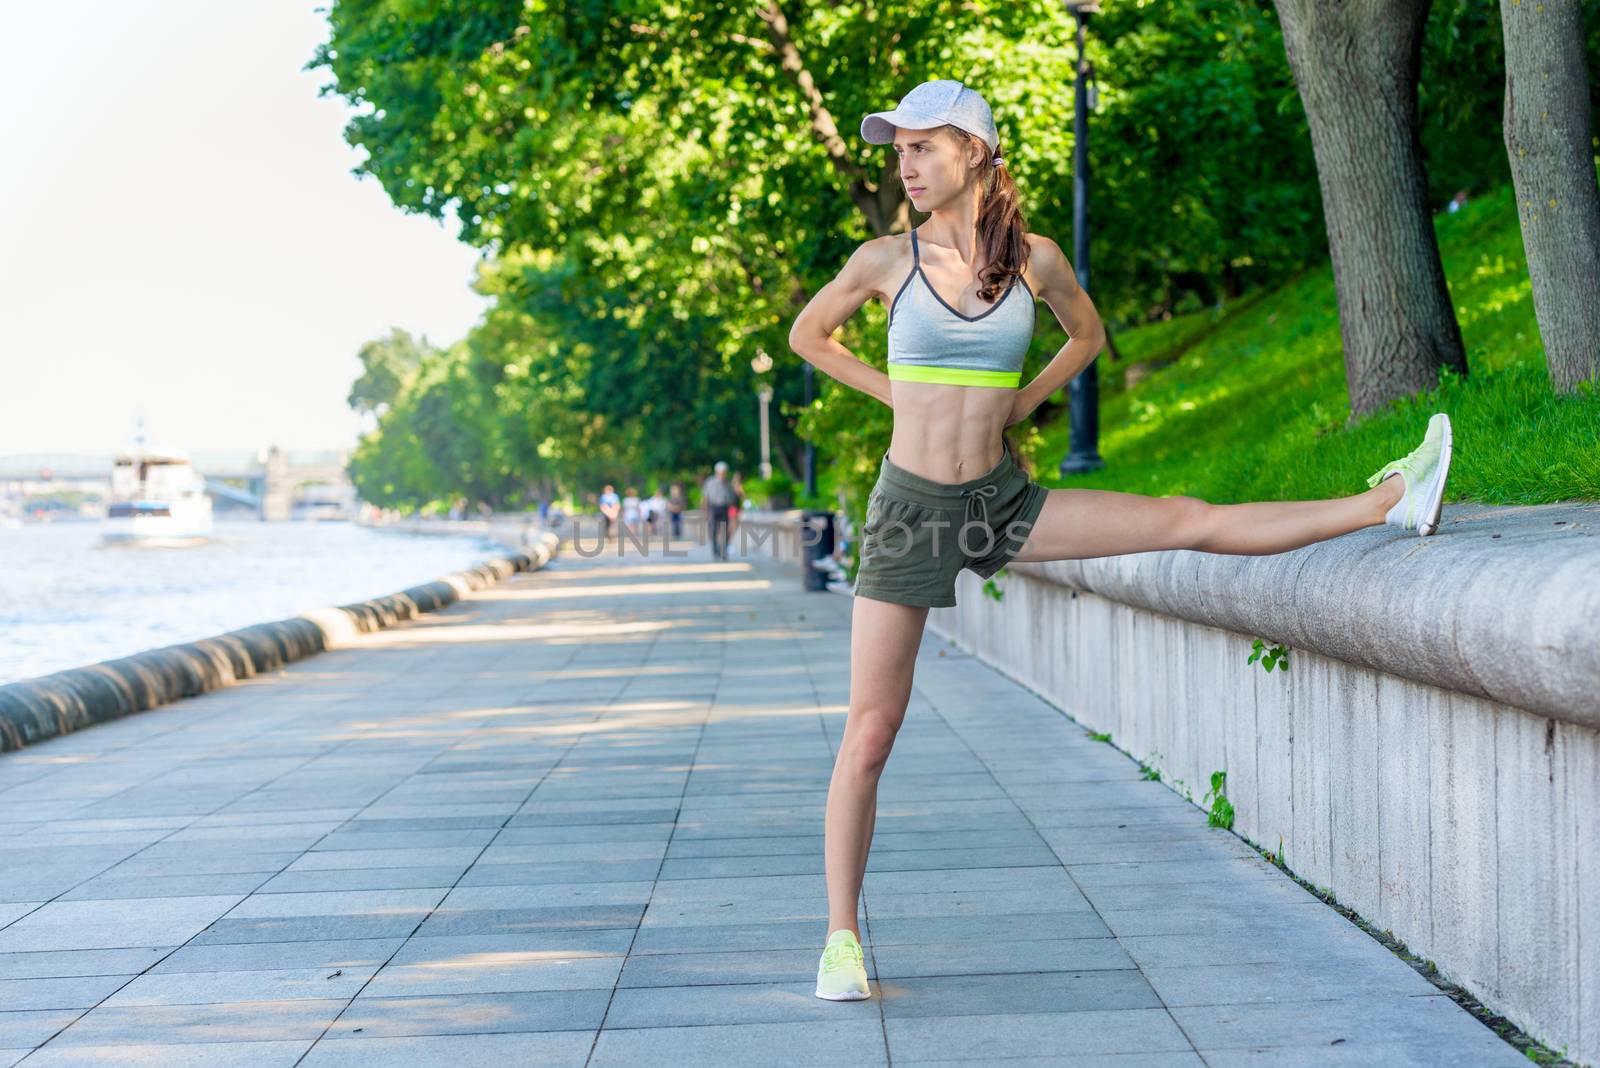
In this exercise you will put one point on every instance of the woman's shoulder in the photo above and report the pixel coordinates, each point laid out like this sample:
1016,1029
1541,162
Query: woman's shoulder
883,261
1045,261
1042,248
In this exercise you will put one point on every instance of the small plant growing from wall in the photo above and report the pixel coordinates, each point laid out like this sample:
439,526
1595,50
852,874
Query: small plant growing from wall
1106,737
992,587
1148,771
1221,811
1275,656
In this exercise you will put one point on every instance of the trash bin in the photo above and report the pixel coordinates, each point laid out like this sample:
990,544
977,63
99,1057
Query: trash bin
816,543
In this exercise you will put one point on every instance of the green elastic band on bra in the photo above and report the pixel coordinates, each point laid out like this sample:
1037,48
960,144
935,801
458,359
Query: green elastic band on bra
952,376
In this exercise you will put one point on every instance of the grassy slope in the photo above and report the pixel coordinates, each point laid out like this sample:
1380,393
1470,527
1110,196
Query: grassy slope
1254,407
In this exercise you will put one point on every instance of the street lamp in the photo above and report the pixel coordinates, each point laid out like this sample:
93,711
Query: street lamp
761,365
765,393
1083,392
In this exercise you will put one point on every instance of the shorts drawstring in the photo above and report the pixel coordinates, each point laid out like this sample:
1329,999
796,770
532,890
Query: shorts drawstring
975,497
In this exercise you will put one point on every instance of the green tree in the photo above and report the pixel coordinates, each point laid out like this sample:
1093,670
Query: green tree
387,364
1550,142
660,187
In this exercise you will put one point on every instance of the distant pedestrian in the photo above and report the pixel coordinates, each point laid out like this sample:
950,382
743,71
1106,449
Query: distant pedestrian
610,510
655,512
630,511
677,501
717,498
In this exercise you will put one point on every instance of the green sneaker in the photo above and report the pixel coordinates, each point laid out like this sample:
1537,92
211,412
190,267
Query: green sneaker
1422,472
841,975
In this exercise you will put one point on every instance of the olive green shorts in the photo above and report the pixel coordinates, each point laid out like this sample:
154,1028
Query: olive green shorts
919,534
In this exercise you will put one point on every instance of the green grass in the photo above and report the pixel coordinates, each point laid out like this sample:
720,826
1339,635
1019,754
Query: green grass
1254,406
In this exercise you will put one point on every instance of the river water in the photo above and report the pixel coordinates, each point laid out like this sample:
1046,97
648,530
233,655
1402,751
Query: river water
66,600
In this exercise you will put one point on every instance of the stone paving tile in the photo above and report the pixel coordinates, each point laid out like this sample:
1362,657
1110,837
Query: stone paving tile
31,1027
642,832
990,1038
752,1045
461,1014
444,922
591,818
978,995
66,963
1262,940
261,984
888,931
1486,1051
233,864
547,895
552,944
627,871
1178,916
385,903
247,1021
739,1003
441,857
113,924
346,954
354,838
524,1049
74,992
495,972
113,886
612,852
418,878
303,929
15,910
1425,1025
1093,1060
710,937
1280,981
190,1055
999,957
725,967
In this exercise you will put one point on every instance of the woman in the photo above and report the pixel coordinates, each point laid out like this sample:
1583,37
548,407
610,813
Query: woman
950,496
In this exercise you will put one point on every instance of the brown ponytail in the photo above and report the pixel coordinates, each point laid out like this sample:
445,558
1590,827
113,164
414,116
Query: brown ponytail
1002,233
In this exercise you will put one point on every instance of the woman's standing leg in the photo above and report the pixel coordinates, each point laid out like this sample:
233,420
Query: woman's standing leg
884,639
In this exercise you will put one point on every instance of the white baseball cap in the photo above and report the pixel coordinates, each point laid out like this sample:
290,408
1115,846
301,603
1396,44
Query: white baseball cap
936,103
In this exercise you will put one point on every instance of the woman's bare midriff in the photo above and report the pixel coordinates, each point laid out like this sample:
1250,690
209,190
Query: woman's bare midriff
948,433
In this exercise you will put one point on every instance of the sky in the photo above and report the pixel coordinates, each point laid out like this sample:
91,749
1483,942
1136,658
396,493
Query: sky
183,239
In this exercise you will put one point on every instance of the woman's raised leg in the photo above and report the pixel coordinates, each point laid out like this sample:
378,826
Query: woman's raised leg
1077,524
884,639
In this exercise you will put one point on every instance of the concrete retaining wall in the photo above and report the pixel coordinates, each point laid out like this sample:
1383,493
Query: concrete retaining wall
1432,756
36,709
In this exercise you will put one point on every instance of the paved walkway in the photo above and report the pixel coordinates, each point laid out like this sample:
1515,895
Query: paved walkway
577,820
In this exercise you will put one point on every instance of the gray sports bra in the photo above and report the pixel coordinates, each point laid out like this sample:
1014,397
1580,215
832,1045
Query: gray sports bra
929,341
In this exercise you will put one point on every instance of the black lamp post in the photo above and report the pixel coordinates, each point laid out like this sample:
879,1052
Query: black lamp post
1083,392
811,452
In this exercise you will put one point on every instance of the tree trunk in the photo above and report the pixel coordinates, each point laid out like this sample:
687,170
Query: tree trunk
1356,64
1552,167
881,201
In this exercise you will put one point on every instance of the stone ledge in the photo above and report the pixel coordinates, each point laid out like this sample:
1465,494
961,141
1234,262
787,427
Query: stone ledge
34,710
1502,603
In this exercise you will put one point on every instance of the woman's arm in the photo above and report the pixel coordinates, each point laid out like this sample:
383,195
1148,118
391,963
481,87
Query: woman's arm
811,336
1057,286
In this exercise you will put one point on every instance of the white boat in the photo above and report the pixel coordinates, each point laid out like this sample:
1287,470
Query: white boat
157,498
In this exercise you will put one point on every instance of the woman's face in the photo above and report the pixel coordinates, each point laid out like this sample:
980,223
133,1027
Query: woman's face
935,166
